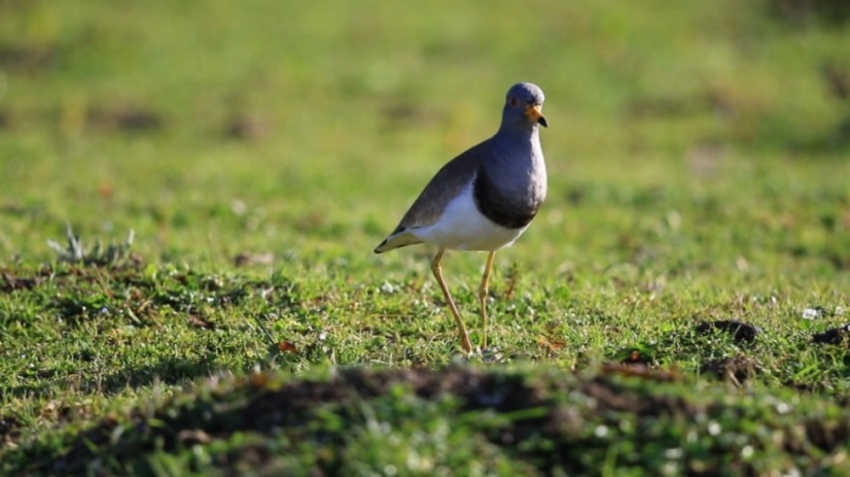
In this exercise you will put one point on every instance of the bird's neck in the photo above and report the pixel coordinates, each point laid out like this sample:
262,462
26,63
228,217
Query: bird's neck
517,135
513,141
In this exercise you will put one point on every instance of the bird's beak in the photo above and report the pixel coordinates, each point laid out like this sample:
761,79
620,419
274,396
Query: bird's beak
535,114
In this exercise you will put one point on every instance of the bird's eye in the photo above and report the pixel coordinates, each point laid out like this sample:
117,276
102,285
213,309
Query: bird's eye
514,102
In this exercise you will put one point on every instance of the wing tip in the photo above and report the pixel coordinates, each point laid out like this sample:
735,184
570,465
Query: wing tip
379,248
397,240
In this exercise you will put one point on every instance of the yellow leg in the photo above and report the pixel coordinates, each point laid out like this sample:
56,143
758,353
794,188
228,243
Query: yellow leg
438,274
483,294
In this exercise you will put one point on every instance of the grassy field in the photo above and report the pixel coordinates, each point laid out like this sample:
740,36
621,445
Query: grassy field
674,309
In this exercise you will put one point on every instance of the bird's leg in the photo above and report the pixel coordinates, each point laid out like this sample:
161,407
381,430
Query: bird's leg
483,294
438,274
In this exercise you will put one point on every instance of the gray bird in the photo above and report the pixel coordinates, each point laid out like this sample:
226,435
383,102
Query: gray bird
483,199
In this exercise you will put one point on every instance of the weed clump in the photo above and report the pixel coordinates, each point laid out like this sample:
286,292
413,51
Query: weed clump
97,255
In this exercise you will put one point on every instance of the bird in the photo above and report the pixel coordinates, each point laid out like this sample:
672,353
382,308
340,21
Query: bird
483,199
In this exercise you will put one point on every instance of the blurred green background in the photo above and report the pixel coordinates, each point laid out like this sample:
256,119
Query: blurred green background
698,166
216,127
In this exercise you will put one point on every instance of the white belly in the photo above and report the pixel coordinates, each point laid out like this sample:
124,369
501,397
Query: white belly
462,227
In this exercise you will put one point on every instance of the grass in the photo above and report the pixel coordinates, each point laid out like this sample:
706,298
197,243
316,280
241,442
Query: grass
256,154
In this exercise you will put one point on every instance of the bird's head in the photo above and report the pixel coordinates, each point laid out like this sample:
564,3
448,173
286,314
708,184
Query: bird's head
524,106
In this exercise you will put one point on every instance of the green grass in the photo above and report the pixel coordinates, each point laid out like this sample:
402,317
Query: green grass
697,154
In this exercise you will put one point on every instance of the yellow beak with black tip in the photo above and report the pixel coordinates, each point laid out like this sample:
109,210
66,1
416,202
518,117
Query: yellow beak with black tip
535,114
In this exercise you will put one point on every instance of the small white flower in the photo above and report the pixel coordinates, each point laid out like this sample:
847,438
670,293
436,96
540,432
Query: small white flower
714,428
674,453
388,288
811,313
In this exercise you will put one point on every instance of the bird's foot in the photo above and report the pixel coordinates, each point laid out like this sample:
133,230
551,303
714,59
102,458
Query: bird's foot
489,355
